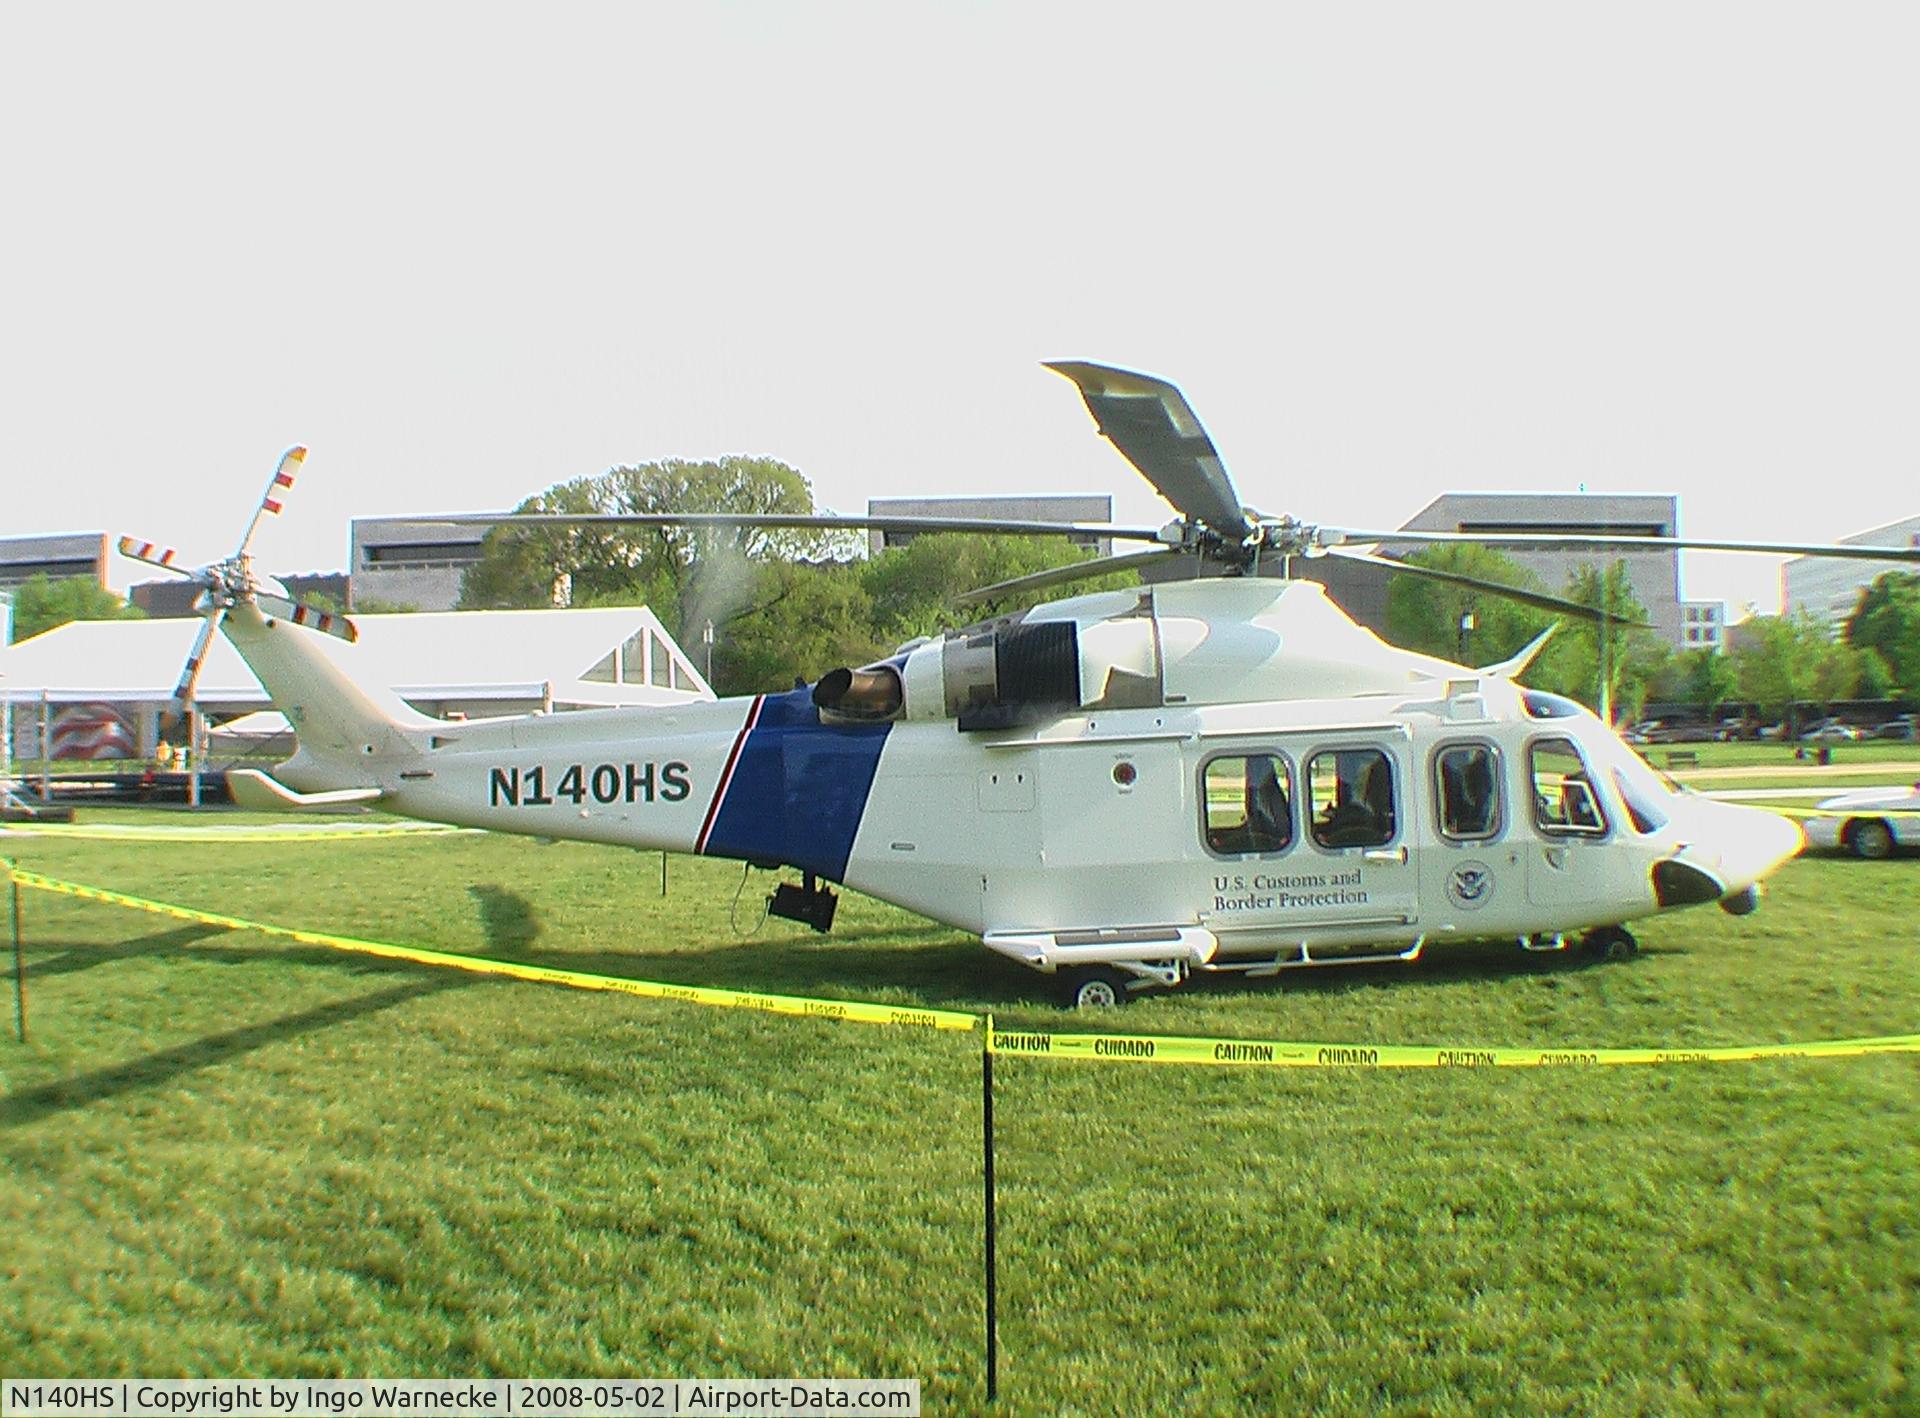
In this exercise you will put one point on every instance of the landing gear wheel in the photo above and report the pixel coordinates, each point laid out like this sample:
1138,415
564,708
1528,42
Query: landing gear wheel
1093,987
1870,841
1610,943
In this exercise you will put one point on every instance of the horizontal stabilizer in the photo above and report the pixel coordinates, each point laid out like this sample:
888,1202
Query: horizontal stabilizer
252,788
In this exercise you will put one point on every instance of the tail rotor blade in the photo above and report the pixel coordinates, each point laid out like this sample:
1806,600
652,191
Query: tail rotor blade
153,554
326,622
278,486
190,676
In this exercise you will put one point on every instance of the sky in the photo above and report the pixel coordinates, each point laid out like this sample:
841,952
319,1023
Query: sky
1386,250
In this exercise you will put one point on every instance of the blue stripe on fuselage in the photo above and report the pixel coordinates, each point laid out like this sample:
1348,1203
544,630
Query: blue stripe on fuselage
798,789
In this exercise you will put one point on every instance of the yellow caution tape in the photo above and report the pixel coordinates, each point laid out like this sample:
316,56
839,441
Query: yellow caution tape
1106,1048
479,965
147,832
1260,1053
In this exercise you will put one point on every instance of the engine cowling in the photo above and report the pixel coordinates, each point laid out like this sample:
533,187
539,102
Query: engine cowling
1019,670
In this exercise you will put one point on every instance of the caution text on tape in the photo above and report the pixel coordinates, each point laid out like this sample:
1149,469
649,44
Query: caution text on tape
1261,1053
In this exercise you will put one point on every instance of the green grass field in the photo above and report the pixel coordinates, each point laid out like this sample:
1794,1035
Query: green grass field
229,1155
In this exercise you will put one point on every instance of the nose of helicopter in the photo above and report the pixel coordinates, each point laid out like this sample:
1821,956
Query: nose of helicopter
1763,843
1732,849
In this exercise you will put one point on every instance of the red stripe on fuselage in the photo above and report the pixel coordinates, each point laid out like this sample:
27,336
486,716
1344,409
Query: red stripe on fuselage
726,775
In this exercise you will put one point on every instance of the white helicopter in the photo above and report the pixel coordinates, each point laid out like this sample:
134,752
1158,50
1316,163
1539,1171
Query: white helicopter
1117,789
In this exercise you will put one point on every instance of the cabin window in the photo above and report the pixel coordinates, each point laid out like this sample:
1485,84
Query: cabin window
1563,798
1467,785
1248,804
1350,794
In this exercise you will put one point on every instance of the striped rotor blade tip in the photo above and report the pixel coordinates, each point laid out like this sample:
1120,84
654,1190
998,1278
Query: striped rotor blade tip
283,476
326,622
196,657
150,552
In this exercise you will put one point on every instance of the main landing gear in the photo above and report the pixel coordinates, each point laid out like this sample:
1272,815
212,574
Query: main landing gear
1609,943
1093,987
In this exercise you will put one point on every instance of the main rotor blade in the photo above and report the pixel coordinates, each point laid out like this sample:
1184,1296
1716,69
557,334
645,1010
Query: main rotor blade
153,554
1156,430
1574,541
326,622
1060,575
814,521
1541,600
196,657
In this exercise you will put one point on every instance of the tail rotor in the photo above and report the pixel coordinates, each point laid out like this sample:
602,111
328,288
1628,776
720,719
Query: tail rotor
225,584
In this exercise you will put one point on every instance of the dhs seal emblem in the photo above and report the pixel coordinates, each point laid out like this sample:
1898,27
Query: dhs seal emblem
1470,886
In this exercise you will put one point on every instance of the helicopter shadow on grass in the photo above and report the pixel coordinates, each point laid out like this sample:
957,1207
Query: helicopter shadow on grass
152,1070
510,921
933,965
1474,962
75,956
928,962
216,945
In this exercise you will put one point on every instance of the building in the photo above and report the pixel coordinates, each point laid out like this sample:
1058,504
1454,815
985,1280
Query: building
404,561
118,677
170,599
55,557
1703,625
1090,508
1654,574
1829,588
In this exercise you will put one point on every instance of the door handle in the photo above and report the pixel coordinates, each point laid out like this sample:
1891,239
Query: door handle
1396,855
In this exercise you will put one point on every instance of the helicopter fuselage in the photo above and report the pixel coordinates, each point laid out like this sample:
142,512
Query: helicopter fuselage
1420,802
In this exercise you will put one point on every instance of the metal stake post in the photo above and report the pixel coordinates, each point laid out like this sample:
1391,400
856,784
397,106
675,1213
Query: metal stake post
991,1257
193,757
19,966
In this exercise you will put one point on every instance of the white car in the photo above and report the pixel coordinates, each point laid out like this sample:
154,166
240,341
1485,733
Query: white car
1830,731
1871,822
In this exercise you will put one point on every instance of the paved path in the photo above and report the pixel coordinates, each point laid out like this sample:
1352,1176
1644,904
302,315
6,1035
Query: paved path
1891,769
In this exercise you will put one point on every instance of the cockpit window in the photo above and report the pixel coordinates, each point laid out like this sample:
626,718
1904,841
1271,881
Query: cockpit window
1541,705
1350,792
1564,802
1643,809
1467,783
1249,804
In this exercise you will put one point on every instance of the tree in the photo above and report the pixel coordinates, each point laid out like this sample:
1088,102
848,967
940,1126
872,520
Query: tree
1425,615
687,575
916,589
1573,663
806,619
1707,678
1887,622
42,603
1876,679
1776,659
